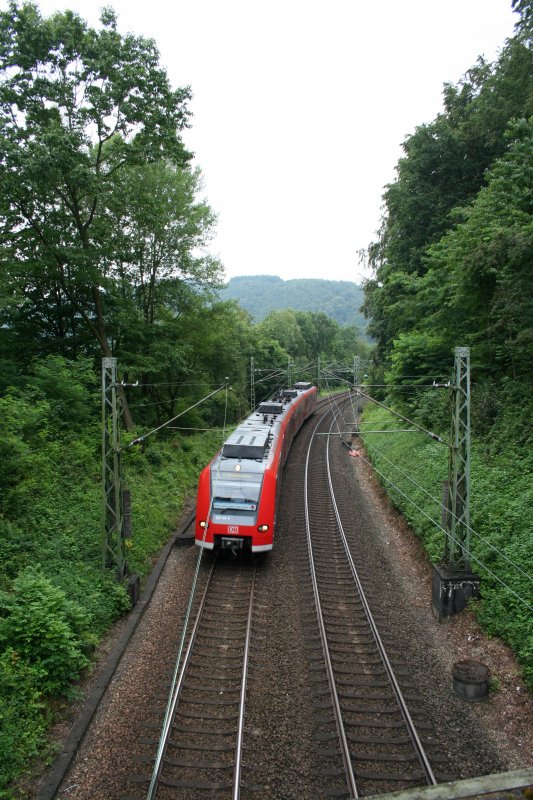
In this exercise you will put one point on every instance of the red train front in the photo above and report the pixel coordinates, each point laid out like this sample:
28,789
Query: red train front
239,489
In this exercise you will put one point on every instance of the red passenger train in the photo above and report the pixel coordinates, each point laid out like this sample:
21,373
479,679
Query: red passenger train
238,491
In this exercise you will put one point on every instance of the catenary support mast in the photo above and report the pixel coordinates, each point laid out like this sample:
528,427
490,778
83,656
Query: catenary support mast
453,581
457,544
252,384
113,550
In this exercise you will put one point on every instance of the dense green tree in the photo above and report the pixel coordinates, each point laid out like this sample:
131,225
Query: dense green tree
443,167
347,343
477,287
261,294
284,327
162,280
318,331
163,229
525,26
77,106
486,260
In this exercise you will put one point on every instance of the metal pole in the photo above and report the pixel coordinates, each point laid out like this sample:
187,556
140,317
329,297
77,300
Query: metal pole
252,384
453,582
113,551
457,546
357,382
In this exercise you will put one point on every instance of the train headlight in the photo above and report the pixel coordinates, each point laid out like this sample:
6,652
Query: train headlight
263,528
203,523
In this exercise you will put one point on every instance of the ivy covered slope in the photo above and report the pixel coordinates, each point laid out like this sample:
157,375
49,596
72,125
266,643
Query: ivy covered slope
412,467
55,599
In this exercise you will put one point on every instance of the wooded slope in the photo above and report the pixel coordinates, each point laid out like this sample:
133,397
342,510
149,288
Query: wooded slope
260,294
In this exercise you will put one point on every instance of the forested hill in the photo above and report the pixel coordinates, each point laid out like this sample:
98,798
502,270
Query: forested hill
260,294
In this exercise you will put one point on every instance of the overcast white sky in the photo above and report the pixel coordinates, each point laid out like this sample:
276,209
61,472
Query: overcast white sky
300,108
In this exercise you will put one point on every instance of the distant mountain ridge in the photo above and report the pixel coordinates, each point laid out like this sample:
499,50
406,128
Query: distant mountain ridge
261,294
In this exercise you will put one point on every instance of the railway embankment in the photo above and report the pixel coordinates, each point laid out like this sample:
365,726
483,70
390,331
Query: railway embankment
285,746
56,602
411,469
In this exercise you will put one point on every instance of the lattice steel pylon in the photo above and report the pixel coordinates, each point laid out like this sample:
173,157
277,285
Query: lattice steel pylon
357,387
252,384
457,518
454,583
357,371
113,549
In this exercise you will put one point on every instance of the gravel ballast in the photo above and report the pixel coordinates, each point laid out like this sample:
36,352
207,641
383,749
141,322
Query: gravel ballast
281,750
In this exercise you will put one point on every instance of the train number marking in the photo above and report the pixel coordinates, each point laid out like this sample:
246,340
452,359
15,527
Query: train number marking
233,529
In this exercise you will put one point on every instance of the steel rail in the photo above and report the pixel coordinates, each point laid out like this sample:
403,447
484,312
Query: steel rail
345,750
174,698
176,693
242,700
413,734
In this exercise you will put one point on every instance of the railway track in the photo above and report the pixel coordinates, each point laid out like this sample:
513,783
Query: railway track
200,750
372,735
311,731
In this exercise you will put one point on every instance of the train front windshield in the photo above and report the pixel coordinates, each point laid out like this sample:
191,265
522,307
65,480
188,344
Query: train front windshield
235,495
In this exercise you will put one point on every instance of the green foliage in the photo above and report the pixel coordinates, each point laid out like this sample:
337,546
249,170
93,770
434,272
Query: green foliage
81,112
453,267
262,294
307,335
55,600
412,469
451,256
22,419
525,26
161,480
70,389
485,261
45,629
23,718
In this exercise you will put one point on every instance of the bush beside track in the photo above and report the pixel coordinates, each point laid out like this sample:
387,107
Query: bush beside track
55,600
501,502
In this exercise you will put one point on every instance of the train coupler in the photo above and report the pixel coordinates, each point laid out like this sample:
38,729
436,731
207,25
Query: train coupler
231,545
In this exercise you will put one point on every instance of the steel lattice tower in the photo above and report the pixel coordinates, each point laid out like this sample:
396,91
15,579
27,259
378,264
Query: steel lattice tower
453,581
252,384
113,550
457,545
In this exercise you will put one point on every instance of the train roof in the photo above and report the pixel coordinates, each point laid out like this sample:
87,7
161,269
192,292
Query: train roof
252,439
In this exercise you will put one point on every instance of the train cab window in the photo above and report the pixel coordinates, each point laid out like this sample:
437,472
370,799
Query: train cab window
236,498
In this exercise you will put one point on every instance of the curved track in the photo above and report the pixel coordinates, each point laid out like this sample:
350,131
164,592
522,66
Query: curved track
322,716
370,732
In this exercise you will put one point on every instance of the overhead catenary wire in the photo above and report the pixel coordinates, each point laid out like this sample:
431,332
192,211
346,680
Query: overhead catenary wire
141,439
431,435
444,385
273,374
362,433
448,534
199,430
140,385
442,506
